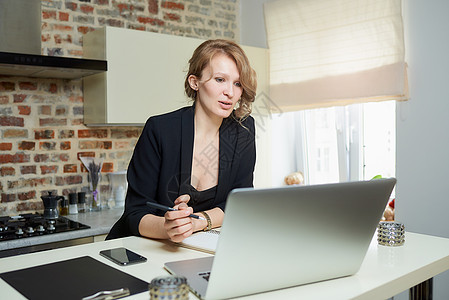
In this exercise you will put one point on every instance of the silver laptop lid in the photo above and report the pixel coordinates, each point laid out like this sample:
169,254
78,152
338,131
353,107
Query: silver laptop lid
282,237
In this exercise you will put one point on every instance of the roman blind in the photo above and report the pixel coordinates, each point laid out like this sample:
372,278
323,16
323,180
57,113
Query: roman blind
335,52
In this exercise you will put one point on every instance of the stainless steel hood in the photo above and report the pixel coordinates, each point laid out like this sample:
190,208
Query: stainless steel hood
29,65
20,46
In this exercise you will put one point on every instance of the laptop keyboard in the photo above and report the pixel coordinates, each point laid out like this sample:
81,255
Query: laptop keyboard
205,275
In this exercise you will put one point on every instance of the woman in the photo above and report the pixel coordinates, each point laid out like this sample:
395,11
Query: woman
190,159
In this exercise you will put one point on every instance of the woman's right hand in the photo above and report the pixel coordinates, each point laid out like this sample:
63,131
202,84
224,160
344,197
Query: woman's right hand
178,224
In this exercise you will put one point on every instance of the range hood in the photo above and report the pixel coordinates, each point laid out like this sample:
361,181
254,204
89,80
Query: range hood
30,65
20,46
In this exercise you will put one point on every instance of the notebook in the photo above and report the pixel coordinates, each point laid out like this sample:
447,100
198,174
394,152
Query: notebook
205,241
283,237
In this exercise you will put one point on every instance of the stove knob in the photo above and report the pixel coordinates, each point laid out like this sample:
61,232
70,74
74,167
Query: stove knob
51,227
29,230
19,232
40,228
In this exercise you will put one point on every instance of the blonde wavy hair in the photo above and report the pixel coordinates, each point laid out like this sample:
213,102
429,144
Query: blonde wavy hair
201,59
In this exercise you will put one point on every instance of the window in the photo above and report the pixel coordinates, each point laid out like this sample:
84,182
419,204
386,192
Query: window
345,143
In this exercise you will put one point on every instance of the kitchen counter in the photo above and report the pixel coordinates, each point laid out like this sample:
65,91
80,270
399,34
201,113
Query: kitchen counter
100,223
385,271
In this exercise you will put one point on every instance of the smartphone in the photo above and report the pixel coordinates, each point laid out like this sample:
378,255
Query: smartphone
122,256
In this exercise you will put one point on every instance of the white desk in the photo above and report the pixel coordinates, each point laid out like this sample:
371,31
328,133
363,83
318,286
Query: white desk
385,272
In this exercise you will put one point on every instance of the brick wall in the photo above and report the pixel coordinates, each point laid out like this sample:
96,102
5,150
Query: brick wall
41,120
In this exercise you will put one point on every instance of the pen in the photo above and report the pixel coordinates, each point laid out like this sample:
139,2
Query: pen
165,208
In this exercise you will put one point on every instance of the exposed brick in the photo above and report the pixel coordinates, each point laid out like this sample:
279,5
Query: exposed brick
30,205
95,145
26,196
60,157
48,169
153,7
47,145
87,154
90,133
101,2
52,122
87,9
65,145
25,145
62,27
70,168
66,133
6,86
15,133
5,146
61,111
59,39
136,27
71,5
125,133
11,121
121,144
76,99
45,37
52,87
44,181
48,14
107,167
41,158
8,197
63,16
5,110
76,122
68,180
44,134
85,19
172,17
14,158
28,86
111,22
24,110
4,99
7,171
85,29
28,170
151,21
19,98
45,110
172,5
78,110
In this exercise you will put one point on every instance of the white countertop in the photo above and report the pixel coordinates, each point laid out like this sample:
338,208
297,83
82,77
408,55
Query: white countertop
100,223
385,271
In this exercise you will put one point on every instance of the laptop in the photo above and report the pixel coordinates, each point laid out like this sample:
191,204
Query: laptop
282,237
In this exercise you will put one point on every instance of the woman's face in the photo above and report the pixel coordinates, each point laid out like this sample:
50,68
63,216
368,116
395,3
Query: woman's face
219,87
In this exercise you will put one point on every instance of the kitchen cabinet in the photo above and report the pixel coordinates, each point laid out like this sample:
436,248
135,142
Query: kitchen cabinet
145,76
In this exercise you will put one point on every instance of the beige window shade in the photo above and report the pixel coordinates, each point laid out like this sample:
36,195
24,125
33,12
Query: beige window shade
335,52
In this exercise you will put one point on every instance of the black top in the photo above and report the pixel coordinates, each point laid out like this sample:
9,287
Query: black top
161,166
199,200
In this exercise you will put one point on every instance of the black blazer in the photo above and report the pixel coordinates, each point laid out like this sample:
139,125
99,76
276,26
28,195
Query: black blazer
161,165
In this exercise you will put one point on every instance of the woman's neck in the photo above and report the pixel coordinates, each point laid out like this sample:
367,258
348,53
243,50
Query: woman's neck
206,126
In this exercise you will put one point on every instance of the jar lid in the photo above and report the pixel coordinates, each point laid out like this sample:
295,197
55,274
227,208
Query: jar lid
72,198
82,197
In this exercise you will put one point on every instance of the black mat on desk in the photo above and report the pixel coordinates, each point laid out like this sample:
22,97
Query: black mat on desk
71,279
